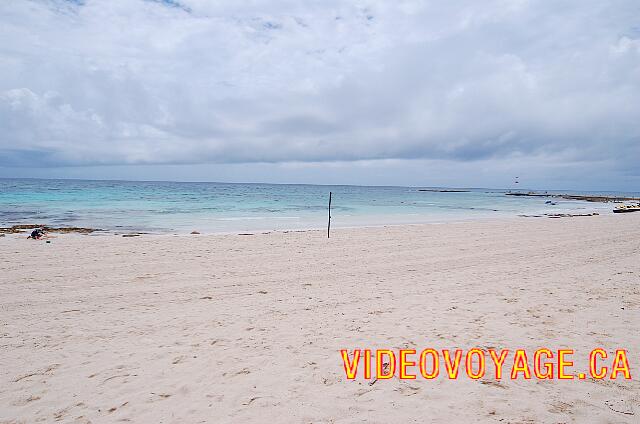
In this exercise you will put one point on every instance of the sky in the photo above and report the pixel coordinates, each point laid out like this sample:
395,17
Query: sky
460,93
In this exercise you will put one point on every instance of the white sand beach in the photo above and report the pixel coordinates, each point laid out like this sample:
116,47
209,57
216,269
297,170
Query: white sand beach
248,328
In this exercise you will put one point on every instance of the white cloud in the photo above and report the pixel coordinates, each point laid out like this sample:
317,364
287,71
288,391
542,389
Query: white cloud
195,81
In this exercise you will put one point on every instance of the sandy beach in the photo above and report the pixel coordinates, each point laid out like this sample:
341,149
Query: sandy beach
249,328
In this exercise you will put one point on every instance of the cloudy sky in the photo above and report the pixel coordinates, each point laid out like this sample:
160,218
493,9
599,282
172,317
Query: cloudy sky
452,93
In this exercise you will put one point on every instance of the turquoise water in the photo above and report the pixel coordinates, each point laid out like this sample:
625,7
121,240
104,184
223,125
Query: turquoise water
181,207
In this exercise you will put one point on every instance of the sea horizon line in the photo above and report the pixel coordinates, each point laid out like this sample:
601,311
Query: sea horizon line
497,189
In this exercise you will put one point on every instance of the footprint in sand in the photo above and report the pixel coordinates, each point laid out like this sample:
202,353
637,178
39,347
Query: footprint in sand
124,376
115,408
159,396
493,384
408,390
46,371
25,401
621,406
561,408
178,359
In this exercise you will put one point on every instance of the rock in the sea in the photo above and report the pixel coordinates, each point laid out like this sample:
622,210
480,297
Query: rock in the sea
195,232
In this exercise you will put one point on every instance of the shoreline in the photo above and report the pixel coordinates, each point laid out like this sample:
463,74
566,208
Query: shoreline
24,229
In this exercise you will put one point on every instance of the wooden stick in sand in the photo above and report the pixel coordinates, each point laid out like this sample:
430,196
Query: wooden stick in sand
329,224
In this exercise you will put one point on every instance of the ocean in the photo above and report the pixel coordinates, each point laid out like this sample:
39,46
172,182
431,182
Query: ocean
182,207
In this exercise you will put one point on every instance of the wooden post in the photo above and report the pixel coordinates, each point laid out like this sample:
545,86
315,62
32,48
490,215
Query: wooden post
329,224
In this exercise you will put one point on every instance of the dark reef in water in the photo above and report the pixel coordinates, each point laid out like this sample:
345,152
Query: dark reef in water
587,198
560,215
26,227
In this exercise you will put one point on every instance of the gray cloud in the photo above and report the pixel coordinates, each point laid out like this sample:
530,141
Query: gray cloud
195,81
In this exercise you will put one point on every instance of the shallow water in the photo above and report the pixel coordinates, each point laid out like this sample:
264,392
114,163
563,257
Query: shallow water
220,207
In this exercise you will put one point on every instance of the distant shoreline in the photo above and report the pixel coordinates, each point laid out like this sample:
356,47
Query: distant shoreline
586,198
